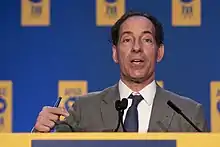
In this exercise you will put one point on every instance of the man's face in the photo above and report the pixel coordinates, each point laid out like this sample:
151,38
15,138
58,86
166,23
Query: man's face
137,51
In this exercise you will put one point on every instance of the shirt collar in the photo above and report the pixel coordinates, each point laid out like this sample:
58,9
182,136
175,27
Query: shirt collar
148,92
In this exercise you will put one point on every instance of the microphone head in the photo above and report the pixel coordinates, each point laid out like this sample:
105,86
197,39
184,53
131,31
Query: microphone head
117,105
121,105
124,103
174,107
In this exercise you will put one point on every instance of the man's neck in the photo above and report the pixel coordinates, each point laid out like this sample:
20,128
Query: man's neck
135,86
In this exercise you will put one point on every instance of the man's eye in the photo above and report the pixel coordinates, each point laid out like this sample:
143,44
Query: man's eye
147,40
127,40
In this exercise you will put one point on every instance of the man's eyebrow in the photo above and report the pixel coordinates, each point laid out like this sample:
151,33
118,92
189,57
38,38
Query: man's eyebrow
126,32
129,32
147,32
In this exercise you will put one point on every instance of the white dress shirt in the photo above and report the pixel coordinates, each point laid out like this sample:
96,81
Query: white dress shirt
144,107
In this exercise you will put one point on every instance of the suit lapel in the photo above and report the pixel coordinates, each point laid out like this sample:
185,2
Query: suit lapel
108,111
161,115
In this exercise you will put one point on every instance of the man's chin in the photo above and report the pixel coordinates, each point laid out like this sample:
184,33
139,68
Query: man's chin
137,79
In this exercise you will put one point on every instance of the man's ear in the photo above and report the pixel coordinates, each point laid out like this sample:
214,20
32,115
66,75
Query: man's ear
114,54
160,53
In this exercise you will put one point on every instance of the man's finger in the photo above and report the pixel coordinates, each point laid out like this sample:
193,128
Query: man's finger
52,117
43,128
55,110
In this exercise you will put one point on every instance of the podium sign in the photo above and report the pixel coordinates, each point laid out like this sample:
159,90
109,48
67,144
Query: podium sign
105,143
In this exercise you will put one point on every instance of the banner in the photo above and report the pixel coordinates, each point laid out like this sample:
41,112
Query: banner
109,11
69,90
186,12
35,12
215,106
5,106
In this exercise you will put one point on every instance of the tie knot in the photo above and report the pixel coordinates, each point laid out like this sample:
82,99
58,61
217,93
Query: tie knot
136,99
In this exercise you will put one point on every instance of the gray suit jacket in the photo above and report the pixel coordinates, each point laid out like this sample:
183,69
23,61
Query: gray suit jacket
96,112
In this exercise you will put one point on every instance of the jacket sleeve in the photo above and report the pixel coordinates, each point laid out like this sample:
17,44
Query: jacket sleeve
72,122
199,119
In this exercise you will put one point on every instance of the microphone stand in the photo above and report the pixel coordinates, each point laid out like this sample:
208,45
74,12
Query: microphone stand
120,107
120,121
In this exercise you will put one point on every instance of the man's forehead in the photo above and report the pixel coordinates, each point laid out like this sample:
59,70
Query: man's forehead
137,22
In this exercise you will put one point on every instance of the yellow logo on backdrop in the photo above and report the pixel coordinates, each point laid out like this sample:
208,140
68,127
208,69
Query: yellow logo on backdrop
69,90
215,106
5,106
35,12
108,11
186,12
160,83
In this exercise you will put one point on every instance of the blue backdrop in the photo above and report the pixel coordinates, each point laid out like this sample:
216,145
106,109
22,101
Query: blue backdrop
73,47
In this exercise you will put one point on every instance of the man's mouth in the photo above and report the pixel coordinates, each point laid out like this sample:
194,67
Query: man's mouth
137,61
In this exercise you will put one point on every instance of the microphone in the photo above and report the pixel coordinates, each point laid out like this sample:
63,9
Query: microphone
179,111
120,106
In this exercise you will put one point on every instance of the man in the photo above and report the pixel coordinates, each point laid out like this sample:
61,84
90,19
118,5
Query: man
137,45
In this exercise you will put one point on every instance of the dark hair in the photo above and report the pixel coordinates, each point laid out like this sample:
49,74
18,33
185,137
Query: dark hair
159,34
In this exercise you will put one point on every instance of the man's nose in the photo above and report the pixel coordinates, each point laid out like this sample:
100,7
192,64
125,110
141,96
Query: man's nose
136,47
